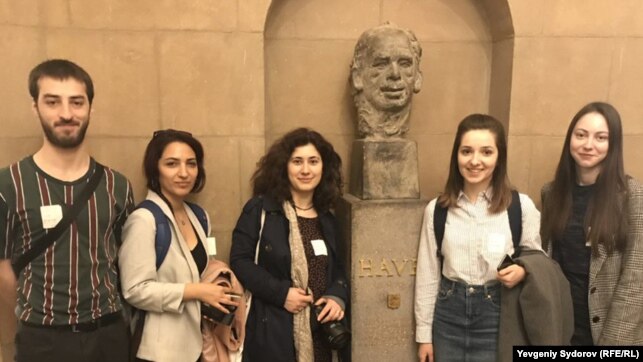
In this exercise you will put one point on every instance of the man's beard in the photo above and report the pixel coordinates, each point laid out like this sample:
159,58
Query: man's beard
64,141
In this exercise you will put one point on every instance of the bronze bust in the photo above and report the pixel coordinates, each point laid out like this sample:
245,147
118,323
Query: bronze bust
385,73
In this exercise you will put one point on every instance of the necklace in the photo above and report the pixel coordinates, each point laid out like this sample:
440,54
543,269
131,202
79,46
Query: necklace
180,219
303,208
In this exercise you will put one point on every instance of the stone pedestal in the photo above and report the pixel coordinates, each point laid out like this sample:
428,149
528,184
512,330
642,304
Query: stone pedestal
381,241
386,169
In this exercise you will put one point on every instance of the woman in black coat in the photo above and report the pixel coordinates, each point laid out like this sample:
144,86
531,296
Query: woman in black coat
298,281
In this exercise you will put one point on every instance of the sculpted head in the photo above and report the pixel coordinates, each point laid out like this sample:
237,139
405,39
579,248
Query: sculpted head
384,74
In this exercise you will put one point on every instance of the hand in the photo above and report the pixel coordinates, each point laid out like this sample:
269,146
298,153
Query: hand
331,312
8,285
217,295
511,275
297,300
425,352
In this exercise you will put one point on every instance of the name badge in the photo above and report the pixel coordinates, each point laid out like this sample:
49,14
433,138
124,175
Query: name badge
51,215
211,242
319,247
496,243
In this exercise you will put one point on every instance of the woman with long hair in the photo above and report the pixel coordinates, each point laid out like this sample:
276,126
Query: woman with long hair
298,281
457,295
592,224
170,293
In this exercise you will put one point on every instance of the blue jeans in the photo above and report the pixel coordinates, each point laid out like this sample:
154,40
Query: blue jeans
465,324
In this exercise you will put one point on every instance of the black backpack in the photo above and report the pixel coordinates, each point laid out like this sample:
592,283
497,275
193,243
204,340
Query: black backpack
514,212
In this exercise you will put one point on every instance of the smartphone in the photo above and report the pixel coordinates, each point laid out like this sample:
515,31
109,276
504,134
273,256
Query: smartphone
506,261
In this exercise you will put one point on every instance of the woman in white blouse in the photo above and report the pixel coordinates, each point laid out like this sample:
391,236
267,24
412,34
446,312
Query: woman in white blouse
457,296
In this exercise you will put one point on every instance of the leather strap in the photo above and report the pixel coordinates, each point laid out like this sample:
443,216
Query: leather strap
69,215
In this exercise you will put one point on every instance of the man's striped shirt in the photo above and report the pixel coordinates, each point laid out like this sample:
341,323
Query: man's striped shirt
75,280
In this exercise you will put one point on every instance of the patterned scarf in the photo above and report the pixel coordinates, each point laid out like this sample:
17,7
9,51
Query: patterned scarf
299,276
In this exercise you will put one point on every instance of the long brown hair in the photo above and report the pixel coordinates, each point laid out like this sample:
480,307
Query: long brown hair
499,181
606,219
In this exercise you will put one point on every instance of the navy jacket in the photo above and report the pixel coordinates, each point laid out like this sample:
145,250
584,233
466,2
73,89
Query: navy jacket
269,328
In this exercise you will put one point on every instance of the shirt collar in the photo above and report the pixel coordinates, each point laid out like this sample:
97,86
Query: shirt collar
486,195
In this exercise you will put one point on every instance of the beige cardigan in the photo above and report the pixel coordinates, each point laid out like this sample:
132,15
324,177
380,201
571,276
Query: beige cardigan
172,327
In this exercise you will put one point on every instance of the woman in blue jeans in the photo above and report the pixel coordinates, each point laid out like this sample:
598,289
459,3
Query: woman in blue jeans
457,297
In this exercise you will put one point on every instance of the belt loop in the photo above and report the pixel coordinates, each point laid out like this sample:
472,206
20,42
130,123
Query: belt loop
453,285
491,287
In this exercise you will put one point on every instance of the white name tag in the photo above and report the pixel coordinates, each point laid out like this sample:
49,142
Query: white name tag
496,243
211,242
51,215
319,247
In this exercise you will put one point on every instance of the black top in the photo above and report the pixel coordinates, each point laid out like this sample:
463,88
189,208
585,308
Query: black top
200,256
573,255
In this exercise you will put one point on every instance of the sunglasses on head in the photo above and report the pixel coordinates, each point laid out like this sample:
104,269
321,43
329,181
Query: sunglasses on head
169,131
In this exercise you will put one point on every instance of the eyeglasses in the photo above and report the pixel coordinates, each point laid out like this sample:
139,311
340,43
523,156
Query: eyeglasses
170,131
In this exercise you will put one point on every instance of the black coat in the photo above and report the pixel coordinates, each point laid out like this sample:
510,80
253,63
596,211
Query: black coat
269,328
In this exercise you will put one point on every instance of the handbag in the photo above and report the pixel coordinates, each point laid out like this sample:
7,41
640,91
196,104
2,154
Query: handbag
69,215
237,356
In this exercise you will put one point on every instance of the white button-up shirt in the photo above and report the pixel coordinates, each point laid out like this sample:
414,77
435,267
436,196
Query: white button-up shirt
475,242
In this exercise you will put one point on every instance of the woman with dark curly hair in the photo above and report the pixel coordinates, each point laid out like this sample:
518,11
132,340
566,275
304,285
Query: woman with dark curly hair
294,268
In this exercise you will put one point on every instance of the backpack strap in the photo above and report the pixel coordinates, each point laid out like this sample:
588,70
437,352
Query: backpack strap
163,232
201,216
162,242
439,222
163,236
514,212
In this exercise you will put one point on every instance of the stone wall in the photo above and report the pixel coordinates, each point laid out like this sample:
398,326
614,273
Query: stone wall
309,46
194,65
568,53
239,73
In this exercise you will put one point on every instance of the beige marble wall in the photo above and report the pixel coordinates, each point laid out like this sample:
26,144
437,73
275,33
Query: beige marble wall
309,47
239,73
193,65
569,53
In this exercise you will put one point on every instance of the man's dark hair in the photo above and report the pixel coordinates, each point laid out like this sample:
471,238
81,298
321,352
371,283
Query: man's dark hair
60,69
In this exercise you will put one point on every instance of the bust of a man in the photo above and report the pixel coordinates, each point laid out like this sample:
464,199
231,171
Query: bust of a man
385,72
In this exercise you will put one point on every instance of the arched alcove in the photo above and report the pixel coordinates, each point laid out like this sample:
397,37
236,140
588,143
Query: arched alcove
467,55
